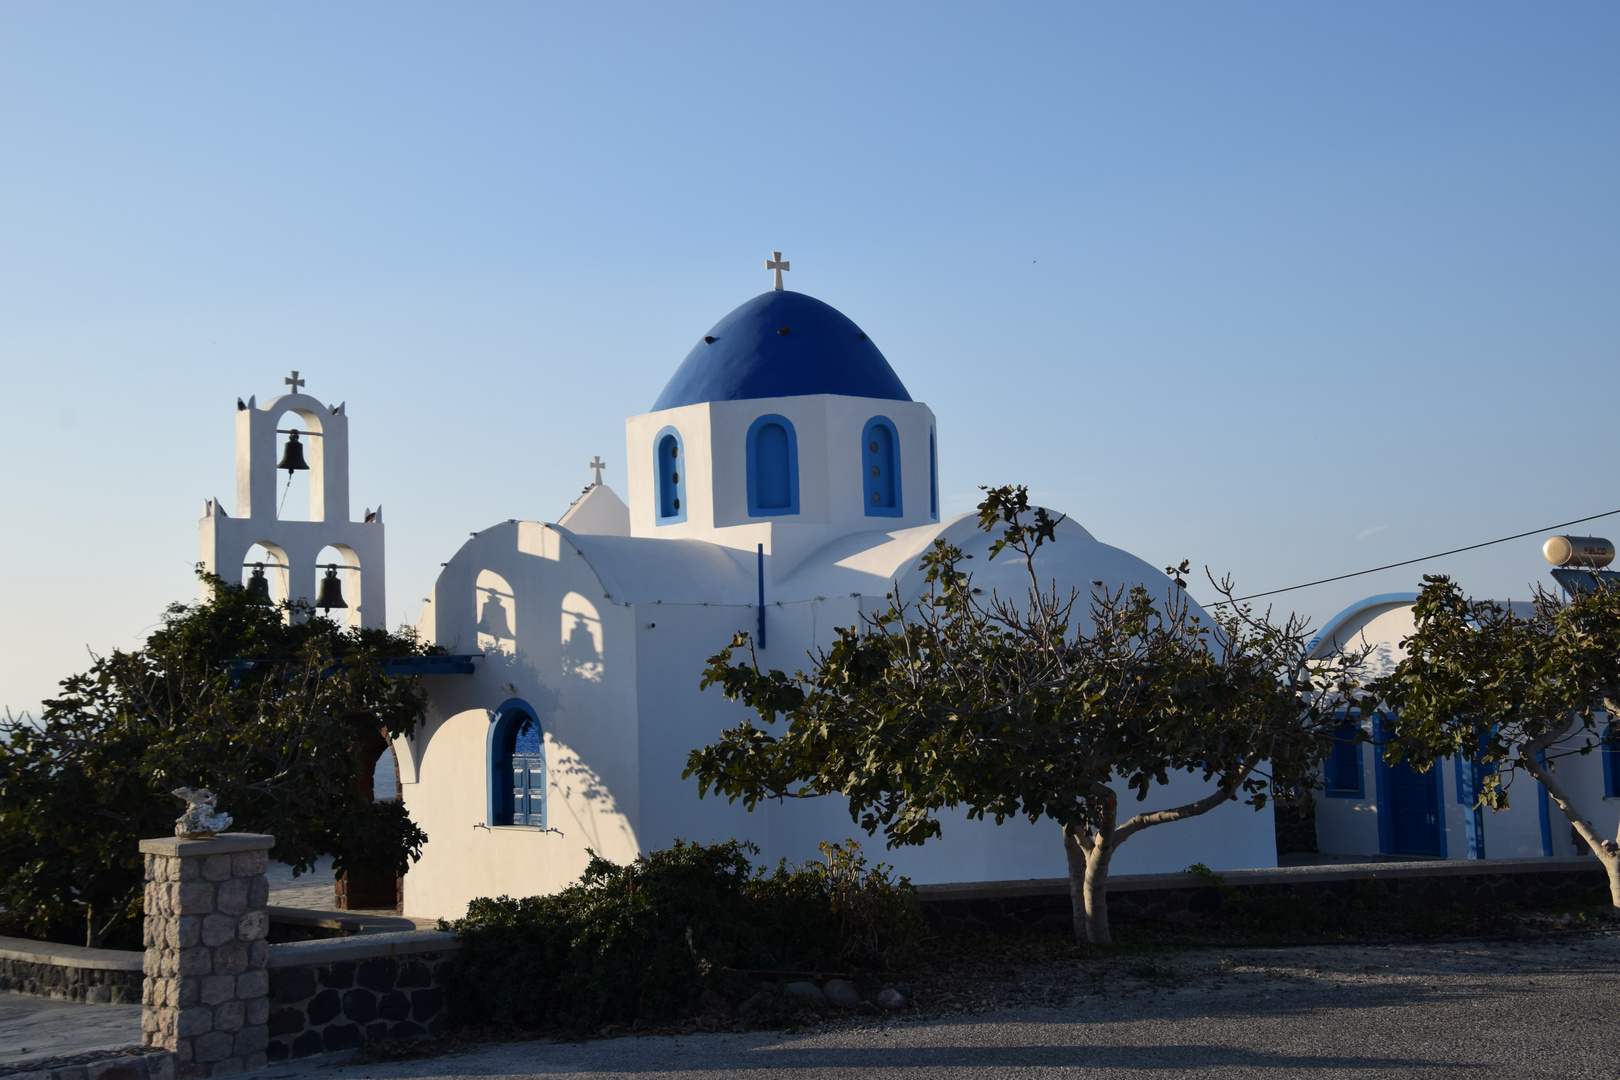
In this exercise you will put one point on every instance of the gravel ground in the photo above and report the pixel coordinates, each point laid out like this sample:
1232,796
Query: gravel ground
1509,1009
36,1029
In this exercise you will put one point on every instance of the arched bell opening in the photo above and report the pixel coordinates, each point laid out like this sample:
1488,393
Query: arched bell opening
264,574
497,613
335,592
296,462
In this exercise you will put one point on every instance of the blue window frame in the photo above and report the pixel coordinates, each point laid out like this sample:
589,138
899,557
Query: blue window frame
880,467
517,766
773,467
933,477
669,466
1343,776
1611,760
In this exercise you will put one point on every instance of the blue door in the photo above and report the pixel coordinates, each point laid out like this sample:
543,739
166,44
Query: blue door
1415,810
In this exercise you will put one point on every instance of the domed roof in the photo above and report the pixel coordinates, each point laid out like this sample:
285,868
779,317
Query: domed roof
782,344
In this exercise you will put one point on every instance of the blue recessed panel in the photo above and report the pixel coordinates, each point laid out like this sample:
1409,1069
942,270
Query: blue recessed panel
669,466
773,467
880,467
782,344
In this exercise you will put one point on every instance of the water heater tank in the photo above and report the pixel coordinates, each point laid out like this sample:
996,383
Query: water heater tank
1590,551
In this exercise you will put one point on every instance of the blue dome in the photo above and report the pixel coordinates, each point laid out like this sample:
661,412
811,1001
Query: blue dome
782,344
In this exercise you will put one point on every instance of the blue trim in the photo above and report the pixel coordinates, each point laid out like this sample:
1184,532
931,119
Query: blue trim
1468,775
1386,806
762,596
1611,759
933,476
758,469
669,477
880,468
1544,809
782,344
497,762
1440,807
1333,624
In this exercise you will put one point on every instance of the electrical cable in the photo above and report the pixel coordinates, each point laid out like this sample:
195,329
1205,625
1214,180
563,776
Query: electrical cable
1409,562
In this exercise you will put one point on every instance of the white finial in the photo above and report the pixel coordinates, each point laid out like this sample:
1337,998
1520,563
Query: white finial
598,464
775,262
294,381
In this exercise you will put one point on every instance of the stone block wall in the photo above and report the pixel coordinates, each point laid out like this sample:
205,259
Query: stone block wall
207,989
70,972
343,1004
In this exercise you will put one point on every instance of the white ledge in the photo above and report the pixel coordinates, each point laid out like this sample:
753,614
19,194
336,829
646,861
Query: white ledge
224,844
72,956
361,947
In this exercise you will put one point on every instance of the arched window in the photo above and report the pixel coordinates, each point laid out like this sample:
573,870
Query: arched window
517,766
669,466
880,467
933,477
773,467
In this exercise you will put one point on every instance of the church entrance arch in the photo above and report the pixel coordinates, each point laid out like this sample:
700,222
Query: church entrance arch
517,766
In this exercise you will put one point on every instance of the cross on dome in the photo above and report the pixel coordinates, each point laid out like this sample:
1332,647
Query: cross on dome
775,262
598,464
294,381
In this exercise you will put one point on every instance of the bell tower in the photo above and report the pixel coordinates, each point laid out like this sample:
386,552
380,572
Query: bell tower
293,569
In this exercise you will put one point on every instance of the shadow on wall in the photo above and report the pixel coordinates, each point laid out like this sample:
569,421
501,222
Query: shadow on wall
581,639
580,804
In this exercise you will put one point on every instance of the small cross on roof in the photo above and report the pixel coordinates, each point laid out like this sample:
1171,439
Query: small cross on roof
779,264
294,381
598,464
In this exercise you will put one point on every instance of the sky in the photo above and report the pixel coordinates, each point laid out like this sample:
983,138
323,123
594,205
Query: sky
1288,290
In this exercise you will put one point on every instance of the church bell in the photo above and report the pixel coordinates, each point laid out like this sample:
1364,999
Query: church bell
258,586
292,458
331,591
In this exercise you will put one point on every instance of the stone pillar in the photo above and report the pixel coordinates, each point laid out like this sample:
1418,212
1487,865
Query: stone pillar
206,993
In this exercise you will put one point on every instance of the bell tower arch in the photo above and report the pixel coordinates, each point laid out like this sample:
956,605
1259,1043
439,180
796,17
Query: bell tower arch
323,451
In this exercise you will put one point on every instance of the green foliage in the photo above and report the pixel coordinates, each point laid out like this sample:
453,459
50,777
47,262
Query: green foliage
283,746
1028,709
644,941
1515,691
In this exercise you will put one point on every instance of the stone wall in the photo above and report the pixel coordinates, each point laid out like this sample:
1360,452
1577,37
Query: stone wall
69,972
344,993
1011,907
207,990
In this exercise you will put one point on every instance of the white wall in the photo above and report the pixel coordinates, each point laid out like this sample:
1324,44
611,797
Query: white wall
1350,826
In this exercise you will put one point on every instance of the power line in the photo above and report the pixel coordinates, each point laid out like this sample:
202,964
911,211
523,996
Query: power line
1422,558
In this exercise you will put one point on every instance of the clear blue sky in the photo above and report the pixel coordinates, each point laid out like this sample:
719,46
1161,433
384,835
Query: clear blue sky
1286,289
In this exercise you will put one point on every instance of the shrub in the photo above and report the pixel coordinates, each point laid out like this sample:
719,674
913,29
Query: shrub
644,941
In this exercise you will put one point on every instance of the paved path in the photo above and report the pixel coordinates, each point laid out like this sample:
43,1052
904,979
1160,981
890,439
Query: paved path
33,1028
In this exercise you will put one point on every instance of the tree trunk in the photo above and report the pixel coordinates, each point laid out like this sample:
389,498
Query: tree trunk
1088,887
1607,851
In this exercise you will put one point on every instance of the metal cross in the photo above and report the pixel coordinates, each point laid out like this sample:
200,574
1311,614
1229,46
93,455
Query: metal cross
598,464
294,381
779,264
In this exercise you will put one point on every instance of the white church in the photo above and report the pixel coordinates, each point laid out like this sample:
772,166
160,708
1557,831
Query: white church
783,482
